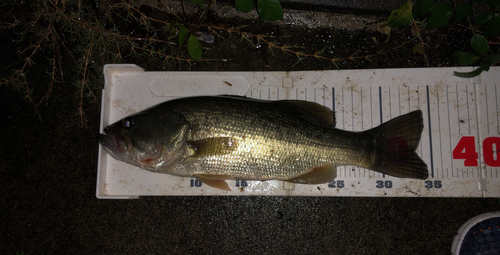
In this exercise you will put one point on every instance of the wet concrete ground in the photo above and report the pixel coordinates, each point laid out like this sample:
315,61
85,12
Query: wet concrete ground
48,173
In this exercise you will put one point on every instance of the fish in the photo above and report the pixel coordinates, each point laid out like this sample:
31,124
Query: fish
219,138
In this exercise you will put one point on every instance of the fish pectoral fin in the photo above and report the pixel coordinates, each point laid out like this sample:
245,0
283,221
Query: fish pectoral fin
322,174
212,146
313,111
216,181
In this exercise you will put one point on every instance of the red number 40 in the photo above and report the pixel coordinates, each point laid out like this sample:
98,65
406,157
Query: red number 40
466,150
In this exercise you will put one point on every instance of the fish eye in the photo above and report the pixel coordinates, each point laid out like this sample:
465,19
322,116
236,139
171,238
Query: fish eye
127,123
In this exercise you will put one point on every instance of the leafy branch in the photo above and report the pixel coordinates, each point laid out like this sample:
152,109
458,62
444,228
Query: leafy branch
442,14
269,10
480,46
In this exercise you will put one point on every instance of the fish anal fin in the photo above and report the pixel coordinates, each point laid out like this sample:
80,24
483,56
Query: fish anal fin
313,111
212,146
215,181
317,175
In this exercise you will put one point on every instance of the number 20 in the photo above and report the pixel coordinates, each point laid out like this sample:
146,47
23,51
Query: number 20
466,150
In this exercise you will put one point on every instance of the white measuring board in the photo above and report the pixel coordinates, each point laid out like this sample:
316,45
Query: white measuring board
460,142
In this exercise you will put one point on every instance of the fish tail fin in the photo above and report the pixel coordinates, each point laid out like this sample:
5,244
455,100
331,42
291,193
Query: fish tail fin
395,145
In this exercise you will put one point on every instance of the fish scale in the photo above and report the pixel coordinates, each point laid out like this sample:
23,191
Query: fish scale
295,149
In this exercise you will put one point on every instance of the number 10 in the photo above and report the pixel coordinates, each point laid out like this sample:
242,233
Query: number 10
466,150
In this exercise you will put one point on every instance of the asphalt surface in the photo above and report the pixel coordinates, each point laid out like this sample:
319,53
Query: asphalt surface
48,171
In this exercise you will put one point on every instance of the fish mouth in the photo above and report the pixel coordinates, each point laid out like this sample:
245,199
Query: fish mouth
119,147
115,144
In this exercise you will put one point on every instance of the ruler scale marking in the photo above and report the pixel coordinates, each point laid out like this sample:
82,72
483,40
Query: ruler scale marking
458,109
487,114
439,127
371,108
449,125
380,103
498,113
430,132
335,116
483,173
418,104
333,105
352,109
399,97
343,122
343,110
371,118
362,115
381,117
390,104
324,96
409,98
468,111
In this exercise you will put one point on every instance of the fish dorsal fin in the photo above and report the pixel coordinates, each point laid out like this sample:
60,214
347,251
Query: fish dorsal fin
212,146
313,111
317,175
216,181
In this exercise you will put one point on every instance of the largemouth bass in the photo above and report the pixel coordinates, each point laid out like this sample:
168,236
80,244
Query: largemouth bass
218,138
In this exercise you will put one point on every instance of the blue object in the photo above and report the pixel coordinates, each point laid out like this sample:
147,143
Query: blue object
478,236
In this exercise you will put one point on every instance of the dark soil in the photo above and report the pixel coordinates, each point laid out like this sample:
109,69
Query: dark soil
48,171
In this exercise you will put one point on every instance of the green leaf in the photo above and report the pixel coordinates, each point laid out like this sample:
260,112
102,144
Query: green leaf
483,18
198,2
493,28
497,7
463,11
486,65
479,44
493,3
269,10
244,5
400,17
441,15
441,8
494,59
464,58
194,47
422,7
418,49
469,74
479,1
182,34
